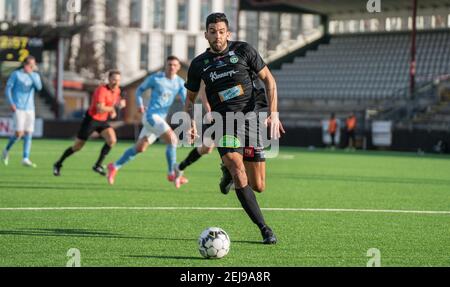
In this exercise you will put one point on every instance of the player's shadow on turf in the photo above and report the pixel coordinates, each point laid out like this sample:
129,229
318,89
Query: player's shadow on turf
247,242
164,257
67,232
193,239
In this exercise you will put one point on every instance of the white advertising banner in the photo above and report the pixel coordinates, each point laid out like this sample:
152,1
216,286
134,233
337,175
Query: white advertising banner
382,133
7,127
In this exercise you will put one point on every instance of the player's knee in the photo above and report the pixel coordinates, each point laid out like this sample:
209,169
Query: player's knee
111,142
205,150
259,186
239,177
141,148
142,145
77,147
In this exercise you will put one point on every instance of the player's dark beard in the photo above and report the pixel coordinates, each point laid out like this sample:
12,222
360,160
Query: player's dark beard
215,48
113,86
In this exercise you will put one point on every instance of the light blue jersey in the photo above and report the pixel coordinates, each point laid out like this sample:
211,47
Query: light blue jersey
164,91
163,94
20,89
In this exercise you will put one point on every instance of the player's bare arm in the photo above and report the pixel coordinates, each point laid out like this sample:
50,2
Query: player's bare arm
189,108
122,104
205,102
276,127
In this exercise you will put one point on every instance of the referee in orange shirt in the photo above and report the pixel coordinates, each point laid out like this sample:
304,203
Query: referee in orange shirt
104,102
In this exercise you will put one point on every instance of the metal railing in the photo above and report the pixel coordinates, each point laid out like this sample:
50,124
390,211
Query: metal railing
424,96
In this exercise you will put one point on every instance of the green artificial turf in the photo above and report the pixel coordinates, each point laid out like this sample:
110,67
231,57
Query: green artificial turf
296,179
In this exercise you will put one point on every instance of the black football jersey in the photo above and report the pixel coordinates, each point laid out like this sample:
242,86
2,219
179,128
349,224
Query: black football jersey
228,77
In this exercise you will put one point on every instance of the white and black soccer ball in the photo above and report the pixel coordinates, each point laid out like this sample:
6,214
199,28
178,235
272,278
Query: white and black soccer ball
214,243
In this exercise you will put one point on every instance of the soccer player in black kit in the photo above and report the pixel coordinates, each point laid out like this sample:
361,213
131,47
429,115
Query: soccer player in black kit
255,166
226,69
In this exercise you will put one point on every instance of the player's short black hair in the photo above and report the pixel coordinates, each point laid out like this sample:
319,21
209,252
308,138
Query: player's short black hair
216,18
28,59
113,72
173,58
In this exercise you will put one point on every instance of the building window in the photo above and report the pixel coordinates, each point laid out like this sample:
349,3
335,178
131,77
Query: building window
316,22
231,10
205,10
144,51
168,46
10,10
182,16
252,28
110,51
191,47
62,15
439,21
374,25
158,14
296,25
135,13
36,12
393,23
111,13
274,31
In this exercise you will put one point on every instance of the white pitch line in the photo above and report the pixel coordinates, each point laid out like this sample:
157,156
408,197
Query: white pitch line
222,209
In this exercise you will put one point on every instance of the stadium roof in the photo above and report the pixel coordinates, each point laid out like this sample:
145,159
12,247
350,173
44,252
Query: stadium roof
336,7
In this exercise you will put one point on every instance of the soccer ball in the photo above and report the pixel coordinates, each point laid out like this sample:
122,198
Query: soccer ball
214,243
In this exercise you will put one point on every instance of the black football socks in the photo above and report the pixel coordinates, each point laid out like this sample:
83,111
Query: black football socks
68,152
103,153
193,156
248,201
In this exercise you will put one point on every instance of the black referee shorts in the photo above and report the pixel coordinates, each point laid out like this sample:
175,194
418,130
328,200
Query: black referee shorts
89,125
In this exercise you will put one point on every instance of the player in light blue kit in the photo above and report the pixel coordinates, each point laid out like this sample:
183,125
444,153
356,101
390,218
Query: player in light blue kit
165,87
19,92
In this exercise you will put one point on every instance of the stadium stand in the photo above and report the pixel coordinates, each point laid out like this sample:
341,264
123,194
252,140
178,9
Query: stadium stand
437,115
363,67
357,73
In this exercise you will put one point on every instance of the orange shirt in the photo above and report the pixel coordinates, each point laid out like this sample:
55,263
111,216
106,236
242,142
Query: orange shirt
103,94
332,126
351,123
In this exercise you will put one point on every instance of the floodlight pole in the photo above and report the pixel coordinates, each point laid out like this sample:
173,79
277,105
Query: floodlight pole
413,65
238,22
59,79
